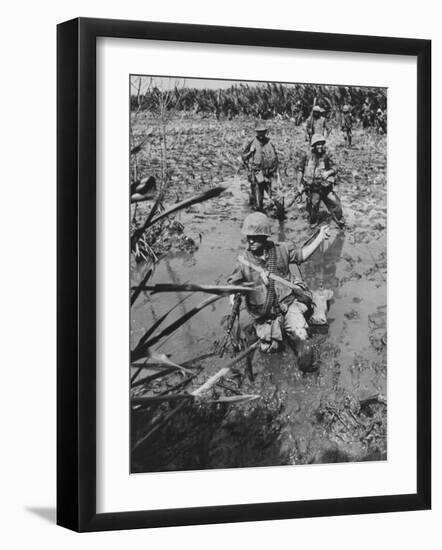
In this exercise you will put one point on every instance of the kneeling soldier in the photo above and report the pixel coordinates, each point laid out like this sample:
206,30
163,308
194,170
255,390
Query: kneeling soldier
278,303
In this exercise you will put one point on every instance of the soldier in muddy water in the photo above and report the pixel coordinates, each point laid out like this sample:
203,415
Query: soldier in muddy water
279,303
262,160
316,173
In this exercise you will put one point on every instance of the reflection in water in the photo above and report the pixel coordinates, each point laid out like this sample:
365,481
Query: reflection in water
320,270
180,296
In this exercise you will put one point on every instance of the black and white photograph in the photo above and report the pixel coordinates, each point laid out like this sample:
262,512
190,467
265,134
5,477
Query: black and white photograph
258,272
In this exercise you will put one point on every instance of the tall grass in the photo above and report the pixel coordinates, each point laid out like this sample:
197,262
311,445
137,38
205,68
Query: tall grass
265,100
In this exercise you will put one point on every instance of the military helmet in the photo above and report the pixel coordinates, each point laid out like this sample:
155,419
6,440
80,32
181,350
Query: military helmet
261,128
256,224
316,139
317,109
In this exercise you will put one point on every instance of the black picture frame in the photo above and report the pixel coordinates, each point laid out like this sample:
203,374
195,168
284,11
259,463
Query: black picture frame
76,274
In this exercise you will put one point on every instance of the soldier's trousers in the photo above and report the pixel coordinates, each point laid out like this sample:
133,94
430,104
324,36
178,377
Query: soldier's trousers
347,135
329,198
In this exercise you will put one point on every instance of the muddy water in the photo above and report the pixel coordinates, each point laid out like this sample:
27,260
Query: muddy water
281,427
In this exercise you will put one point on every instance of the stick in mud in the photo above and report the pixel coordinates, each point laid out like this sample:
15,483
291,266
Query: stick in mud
225,370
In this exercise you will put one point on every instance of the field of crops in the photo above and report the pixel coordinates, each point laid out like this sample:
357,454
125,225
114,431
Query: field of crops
263,100
336,414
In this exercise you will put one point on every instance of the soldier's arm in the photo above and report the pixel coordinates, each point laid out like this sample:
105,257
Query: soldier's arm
330,166
248,152
307,250
293,252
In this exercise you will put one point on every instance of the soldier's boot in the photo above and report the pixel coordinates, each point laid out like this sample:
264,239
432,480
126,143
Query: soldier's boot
303,350
306,362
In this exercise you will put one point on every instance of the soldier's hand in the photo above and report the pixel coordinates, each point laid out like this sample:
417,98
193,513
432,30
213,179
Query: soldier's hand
231,299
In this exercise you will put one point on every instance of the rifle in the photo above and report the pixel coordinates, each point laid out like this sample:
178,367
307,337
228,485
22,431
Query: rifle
234,313
299,289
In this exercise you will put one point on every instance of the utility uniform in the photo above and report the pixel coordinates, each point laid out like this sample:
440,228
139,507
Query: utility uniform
347,125
366,115
273,305
261,156
262,160
319,188
297,112
316,126
381,121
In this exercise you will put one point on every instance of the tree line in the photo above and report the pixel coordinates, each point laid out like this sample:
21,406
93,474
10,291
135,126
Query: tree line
261,101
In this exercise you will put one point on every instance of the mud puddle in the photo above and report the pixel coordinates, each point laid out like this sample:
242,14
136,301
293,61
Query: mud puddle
298,418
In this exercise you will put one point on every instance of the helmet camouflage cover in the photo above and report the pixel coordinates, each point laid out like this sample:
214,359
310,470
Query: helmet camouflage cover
256,224
316,139
261,128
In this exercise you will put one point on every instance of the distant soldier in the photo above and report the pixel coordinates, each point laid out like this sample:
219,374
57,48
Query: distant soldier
366,114
316,177
297,112
267,113
381,121
262,160
347,124
316,123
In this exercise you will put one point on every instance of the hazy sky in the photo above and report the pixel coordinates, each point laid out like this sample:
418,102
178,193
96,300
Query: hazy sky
170,82
166,83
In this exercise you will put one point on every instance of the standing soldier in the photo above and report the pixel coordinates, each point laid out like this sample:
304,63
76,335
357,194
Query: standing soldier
278,303
316,176
366,114
316,123
297,112
262,160
381,121
347,124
